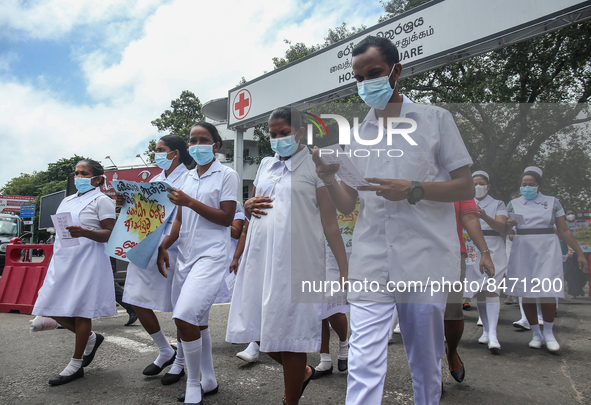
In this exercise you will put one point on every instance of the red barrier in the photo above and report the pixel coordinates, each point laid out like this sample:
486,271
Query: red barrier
21,280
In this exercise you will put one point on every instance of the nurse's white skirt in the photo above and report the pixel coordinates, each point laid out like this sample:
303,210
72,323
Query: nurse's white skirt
476,281
535,267
147,288
79,283
195,287
334,303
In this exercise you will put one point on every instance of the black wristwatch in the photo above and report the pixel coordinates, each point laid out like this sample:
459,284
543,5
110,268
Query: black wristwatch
416,193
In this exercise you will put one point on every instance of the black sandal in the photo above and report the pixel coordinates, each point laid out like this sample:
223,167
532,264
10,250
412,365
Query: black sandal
305,382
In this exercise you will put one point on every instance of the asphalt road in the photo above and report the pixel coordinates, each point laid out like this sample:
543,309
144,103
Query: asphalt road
519,375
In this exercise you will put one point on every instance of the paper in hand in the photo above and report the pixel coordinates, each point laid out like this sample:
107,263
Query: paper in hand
334,154
230,281
517,218
60,222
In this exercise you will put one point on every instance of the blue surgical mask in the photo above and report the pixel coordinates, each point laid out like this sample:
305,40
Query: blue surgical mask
285,146
203,154
162,160
83,184
376,92
529,192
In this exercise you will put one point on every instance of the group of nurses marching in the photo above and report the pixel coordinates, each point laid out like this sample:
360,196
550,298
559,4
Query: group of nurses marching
290,215
535,258
193,256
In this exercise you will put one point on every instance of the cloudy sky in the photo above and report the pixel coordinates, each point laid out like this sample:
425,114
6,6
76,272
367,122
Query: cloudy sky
86,77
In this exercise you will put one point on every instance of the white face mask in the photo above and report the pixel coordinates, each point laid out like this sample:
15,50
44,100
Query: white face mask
480,190
570,217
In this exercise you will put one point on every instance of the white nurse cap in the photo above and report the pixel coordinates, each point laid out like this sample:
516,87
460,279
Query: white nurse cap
534,169
481,173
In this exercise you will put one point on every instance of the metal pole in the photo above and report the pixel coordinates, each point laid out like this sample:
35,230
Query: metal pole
239,158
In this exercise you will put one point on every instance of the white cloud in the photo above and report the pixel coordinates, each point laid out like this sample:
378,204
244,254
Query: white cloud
6,59
204,47
52,19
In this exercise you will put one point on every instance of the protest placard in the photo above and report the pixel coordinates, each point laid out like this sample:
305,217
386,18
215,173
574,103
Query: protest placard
582,233
142,221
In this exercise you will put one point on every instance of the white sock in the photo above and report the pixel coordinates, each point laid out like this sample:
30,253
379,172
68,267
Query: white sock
394,317
540,315
325,362
73,366
252,349
179,361
344,349
537,334
481,307
548,335
89,345
523,317
208,380
193,359
165,349
493,307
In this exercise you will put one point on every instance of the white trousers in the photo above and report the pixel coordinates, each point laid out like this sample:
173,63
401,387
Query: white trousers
421,326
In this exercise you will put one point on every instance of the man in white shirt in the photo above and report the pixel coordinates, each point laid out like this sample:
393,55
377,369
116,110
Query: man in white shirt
406,230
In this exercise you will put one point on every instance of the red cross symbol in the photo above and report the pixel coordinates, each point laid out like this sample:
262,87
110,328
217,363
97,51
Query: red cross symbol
241,104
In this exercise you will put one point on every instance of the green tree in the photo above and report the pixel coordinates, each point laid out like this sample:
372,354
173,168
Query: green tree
41,183
513,130
184,112
293,53
25,184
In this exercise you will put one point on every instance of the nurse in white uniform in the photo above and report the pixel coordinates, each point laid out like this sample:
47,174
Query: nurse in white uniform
289,215
146,289
536,257
225,294
202,228
406,230
79,282
493,219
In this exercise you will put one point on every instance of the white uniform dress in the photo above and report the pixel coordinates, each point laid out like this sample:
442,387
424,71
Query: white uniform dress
203,245
536,259
496,245
147,288
336,302
225,294
398,242
79,279
262,307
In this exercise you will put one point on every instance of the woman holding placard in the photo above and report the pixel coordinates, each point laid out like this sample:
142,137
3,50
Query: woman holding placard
535,263
207,202
78,285
145,289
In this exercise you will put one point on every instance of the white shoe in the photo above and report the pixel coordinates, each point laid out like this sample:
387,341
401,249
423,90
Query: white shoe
522,324
494,345
483,339
249,357
552,346
535,344
397,329
479,323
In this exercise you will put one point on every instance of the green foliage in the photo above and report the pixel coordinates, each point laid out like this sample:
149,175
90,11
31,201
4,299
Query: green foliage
261,135
299,50
184,112
396,7
517,130
293,53
25,184
38,184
